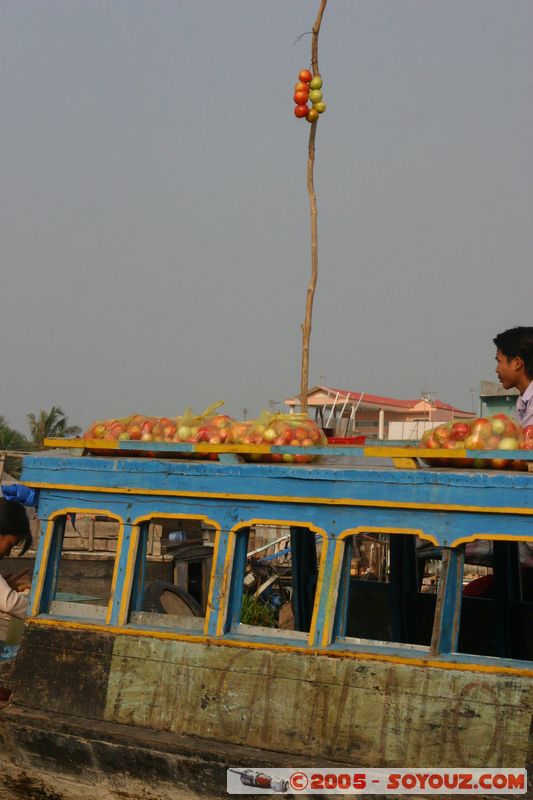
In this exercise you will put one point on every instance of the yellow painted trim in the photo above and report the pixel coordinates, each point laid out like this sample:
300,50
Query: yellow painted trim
226,583
194,447
209,607
406,463
321,569
38,593
331,599
375,451
319,589
369,451
393,659
87,512
46,550
128,575
333,501
287,522
120,540
501,537
388,529
177,516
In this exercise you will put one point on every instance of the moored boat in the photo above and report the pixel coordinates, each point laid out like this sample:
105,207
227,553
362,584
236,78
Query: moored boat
368,669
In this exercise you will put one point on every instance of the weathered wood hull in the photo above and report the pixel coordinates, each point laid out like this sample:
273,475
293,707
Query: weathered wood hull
152,718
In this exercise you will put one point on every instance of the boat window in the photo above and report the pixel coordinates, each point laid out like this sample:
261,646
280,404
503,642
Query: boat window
277,571
497,601
88,546
388,589
172,573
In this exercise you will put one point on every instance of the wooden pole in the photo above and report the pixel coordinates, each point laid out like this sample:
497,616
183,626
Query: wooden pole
306,327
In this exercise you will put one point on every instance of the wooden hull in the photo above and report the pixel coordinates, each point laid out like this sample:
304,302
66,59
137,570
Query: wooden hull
154,718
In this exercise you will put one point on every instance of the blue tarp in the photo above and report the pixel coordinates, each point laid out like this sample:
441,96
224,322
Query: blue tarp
22,494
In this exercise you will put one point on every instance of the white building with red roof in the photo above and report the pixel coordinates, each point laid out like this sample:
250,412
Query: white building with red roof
347,413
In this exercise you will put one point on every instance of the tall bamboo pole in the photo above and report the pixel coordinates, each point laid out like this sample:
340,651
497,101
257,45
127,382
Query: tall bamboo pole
306,327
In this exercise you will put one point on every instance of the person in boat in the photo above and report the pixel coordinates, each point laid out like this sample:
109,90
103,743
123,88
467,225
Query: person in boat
14,531
514,356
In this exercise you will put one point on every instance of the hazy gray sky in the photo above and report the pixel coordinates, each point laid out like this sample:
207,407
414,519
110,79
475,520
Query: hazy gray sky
154,237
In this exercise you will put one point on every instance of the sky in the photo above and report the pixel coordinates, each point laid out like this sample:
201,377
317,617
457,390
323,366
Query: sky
154,217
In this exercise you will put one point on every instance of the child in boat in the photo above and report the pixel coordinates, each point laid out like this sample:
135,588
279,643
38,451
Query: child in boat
514,369
14,530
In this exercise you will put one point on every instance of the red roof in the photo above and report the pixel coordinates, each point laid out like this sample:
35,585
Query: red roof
374,399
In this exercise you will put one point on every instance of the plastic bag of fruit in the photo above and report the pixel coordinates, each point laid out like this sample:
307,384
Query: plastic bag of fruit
525,442
188,427
204,427
116,428
498,432
295,430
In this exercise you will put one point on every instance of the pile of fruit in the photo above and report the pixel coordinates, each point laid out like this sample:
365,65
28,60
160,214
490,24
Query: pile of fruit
295,430
498,432
308,88
206,427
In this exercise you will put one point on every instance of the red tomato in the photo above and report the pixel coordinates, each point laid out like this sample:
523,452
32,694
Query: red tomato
305,76
301,111
135,431
459,430
301,87
300,433
301,98
116,430
169,431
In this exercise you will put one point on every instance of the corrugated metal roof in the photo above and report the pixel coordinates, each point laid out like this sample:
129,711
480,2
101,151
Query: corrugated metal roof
376,400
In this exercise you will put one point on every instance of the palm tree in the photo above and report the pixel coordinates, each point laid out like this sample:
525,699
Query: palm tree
48,424
11,439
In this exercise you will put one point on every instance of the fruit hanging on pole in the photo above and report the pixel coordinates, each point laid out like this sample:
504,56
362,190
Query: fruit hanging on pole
308,88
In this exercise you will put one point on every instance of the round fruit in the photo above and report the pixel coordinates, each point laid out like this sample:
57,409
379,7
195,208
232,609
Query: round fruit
315,96
499,463
305,76
460,430
169,431
300,433
269,435
508,443
312,114
301,111
135,431
301,87
498,426
320,107
184,432
316,82
301,98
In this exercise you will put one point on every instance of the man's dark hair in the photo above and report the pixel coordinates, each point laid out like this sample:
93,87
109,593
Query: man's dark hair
14,520
517,342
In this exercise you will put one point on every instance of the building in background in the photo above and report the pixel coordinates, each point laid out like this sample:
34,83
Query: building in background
494,399
344,413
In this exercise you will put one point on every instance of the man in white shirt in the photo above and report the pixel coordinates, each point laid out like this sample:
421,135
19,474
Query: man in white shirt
514,368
